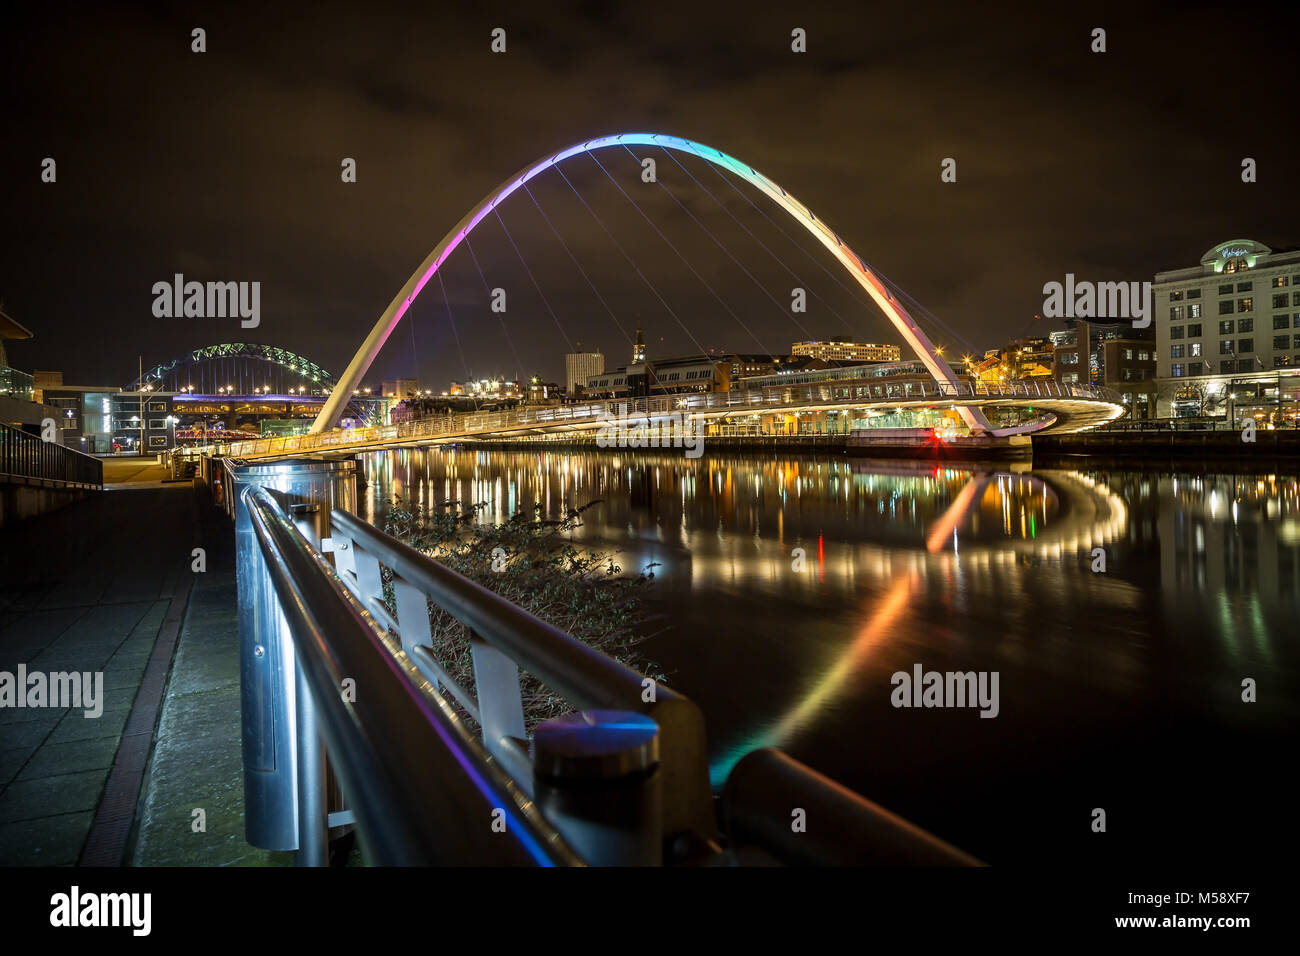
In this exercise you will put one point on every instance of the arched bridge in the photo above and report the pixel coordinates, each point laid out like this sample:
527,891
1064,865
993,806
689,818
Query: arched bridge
1056,406
244,368
883,297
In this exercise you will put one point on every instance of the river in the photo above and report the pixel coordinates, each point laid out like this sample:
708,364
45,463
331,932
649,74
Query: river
1120,609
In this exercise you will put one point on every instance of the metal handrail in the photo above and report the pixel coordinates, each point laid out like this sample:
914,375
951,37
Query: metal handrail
583,676
374,737
853,830
27,458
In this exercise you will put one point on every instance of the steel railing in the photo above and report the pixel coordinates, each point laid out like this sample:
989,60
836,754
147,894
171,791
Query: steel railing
1167,426
26,459
422,791
505,639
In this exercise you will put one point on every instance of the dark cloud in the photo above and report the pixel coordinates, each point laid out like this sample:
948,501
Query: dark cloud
226,166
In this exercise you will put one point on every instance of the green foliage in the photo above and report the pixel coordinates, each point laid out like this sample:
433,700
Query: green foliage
531,561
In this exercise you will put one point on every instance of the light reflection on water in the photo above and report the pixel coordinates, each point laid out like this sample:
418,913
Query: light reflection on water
957,567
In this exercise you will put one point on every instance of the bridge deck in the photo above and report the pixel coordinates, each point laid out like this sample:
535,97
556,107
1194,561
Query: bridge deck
1060,408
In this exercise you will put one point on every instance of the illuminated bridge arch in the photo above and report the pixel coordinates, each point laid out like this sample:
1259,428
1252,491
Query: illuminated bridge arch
893,309
246,366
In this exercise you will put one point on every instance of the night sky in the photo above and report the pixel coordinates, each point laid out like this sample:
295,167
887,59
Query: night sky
225,166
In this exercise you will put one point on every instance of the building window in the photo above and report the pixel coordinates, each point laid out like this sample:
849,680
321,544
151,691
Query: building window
1194,331
1246,305
1225,307
1194,368
1176,296
1245,346
1225,289
1194,349
1281,342
1193,293
1177,351
1144,356
1279,300
1245,325
1295,342
1176,370
1176,313
1280,361
1227,328
1295,298
1281,322
1245,365
1194,310
1279,281
1245,286
1225,346
1175,332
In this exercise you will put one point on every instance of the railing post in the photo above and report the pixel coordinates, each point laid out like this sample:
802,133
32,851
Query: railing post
501,708
284,765
313,811
596,779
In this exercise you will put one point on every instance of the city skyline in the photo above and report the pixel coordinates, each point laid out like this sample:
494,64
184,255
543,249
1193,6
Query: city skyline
194,211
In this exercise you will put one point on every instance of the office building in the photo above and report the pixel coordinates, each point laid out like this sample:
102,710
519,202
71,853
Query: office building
837,350
580,366
1228,334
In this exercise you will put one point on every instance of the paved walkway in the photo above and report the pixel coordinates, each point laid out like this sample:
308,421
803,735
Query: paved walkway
197,764
136,473
102,586
85,588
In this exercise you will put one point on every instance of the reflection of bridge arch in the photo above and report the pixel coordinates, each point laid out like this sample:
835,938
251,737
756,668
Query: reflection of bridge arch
893,309
245,365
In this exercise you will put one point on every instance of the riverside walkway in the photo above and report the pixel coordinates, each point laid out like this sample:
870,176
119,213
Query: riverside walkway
105,585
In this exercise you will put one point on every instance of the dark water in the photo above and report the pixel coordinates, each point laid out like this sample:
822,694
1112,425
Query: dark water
1119,690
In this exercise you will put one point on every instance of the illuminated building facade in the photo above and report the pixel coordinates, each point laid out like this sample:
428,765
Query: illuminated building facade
839,351
1228,335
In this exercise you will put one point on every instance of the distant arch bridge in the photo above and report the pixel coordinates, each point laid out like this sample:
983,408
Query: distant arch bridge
241,368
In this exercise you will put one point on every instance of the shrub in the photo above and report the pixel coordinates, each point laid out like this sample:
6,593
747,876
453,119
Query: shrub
531,561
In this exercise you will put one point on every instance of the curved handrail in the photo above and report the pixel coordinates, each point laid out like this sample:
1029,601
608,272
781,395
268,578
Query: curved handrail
376,736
